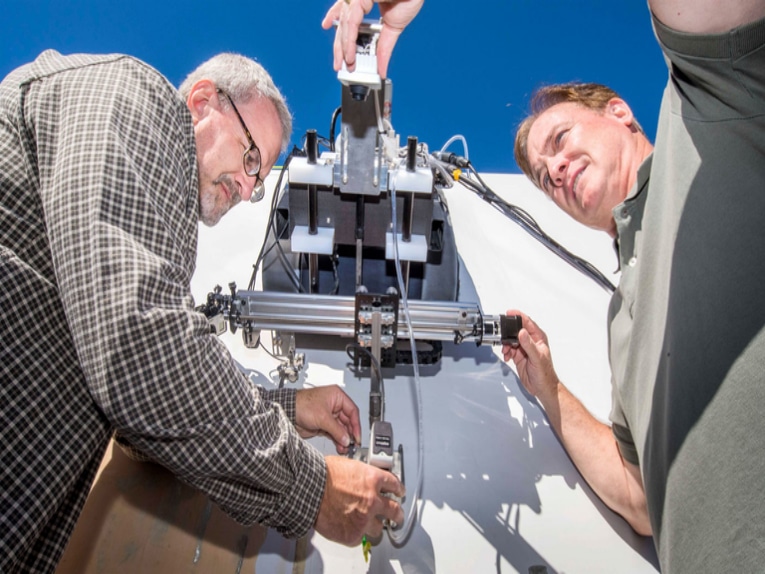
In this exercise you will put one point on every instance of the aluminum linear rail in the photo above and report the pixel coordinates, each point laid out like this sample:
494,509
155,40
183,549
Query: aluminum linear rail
335,315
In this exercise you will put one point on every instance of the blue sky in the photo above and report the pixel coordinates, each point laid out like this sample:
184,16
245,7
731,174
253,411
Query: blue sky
461,67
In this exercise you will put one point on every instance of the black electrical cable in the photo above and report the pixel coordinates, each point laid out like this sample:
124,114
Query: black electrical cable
526,222
332,125
270,248
517,214
333,260
270,353
375,365
274,201
271,224
321,140
372,359
288,268
523,219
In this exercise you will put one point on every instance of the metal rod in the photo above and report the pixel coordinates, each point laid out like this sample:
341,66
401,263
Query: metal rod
375,389
411,153
313,272
335,315
360,205
312,146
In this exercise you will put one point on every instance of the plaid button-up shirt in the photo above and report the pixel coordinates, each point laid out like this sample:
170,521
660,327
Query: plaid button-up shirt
98,333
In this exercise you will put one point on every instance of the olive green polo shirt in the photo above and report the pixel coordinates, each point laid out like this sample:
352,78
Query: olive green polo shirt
687,323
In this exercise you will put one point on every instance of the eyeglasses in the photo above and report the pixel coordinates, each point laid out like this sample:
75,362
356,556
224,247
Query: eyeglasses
251,156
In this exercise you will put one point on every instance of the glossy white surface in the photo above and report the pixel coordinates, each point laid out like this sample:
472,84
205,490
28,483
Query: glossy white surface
499,492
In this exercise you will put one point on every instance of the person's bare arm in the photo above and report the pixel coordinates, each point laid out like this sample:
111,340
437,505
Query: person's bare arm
589,442
591,445
707,16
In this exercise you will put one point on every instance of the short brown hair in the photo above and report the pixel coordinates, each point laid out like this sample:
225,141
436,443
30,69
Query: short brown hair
588,95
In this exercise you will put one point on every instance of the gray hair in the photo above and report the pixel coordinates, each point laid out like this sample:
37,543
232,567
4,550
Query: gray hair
243,79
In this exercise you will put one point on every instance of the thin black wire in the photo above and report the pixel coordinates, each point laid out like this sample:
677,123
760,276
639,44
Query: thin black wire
270,248
332,125
375,365
529,224
271,353
269,225
288,268
336,288
513,212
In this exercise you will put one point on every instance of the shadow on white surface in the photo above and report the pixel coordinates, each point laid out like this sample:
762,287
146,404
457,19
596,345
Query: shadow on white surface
499,492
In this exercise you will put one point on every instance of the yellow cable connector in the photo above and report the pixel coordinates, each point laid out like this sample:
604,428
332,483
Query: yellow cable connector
456,174
366,547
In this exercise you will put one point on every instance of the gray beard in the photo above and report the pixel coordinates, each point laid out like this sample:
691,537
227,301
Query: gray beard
209,212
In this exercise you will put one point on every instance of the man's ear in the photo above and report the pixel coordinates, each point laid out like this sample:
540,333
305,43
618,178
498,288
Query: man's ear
619,109
202,98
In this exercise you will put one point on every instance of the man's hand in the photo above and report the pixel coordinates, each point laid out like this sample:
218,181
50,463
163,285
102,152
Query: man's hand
353,503
330,412
396,15
532,359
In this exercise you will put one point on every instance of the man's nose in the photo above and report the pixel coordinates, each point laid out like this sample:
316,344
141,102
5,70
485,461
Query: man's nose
246,185
557,167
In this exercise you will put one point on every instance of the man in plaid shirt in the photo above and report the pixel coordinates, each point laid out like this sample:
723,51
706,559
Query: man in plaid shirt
105,170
